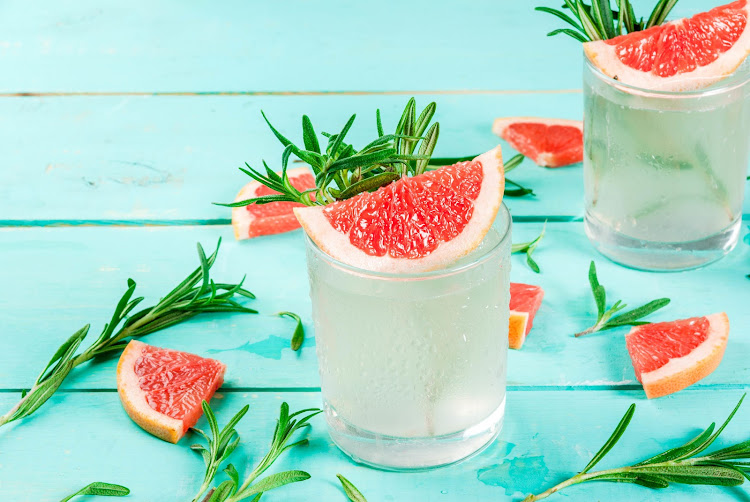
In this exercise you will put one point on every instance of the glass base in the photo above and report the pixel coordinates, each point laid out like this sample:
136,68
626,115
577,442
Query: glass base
660,256
412,453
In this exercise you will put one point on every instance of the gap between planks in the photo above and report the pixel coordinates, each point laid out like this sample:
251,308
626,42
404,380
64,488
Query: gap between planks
62,94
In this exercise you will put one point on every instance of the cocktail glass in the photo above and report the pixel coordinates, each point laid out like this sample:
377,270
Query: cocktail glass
664,172
412,366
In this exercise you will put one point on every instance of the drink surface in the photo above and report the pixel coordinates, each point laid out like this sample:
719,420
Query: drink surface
414,356
667,168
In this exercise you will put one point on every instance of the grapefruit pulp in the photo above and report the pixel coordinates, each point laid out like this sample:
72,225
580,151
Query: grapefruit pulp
525,300
414,224
274,218
669,356
681,55
162,390
548,142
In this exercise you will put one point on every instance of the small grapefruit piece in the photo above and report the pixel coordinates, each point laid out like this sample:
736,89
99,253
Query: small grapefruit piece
525,300
162,390
548,142
669,356
681,55
274,218
414,224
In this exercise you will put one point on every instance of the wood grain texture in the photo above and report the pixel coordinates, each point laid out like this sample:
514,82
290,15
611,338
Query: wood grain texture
73,46
64,277
547,437
166,159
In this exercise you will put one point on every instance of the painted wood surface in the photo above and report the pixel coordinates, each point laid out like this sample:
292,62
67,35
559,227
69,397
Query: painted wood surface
251,46
121,125
71,276
547,436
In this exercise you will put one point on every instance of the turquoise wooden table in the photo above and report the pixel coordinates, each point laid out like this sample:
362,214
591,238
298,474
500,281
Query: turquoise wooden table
120,125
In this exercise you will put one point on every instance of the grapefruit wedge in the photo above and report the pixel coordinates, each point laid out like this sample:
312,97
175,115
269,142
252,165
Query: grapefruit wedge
525,300
274,218
162,390
548,142
414,224
669,356
681,55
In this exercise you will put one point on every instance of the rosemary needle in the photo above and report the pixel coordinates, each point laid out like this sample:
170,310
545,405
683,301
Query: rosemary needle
196,294
725,467
351,491
101,489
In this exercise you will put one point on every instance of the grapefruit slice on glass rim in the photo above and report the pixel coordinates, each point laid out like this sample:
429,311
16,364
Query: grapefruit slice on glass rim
162,390
273,218
669,356
414,224
548,142
525,300
682,55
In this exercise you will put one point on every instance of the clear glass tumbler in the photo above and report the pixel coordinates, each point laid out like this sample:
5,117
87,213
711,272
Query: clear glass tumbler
664,172
412,366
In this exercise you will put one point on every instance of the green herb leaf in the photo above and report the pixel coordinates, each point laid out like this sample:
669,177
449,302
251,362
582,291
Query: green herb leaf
350,490
604,317
195,295
100,489
529,247
726,467
299,331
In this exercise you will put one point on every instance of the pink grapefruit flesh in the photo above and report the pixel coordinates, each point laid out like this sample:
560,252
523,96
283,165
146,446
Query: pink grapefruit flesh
681,55
414,224
669,356
162,390
525,300
548,142
274,218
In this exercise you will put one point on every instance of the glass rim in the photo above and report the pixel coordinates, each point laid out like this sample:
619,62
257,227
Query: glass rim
505,234
653,93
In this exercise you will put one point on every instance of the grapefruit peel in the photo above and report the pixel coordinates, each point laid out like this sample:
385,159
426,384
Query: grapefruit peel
338,245
681,372
548,142
607,55
135,400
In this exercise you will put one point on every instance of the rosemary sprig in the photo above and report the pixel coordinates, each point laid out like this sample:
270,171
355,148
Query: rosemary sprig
514,162
604,319
599,21
341,171
196,294
299,331
221,444
529,247
350,490
101,489
725,467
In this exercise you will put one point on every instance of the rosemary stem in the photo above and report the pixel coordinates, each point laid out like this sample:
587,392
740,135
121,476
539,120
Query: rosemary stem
208,495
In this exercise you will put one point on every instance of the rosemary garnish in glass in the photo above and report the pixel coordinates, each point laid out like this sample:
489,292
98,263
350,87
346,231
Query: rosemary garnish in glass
726,467
342,171
599,21
196,294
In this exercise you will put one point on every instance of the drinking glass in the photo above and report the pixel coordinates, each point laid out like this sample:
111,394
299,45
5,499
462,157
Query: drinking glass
664,172
412,366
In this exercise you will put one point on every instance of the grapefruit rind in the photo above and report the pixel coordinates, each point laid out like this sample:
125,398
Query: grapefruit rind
337,245
682,372
517,329
134,401
603,56
544,159
242,220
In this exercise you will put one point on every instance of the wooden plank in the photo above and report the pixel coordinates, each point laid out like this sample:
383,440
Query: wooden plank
165,159
57,279
240,46
547,437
